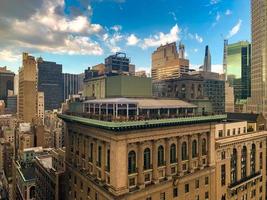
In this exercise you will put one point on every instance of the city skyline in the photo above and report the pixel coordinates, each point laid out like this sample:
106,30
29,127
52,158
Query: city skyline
86,33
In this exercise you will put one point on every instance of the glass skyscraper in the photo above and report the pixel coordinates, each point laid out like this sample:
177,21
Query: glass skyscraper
238,69
50,82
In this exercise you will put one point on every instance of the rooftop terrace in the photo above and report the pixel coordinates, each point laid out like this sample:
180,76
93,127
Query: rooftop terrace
141,124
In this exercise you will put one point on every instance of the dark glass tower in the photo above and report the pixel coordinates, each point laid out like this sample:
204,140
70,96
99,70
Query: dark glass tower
50,82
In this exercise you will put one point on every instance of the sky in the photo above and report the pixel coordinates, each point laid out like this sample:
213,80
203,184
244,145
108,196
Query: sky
81,33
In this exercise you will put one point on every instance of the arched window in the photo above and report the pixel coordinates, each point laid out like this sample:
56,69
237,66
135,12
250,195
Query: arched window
253,159
160,155
173,153
184,151
204,147
194,148
244,162
131,162
147,159
233,166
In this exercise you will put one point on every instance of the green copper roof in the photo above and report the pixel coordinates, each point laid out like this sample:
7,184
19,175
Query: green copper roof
127,125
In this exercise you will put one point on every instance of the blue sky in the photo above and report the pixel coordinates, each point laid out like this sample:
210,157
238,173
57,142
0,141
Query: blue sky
81,33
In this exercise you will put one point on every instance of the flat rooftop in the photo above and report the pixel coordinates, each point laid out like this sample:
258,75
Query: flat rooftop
141,124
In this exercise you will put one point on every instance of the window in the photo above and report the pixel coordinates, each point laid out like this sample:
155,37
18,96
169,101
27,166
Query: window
204,147
206,180
147,159
260,160
220,133
252,159
88,191
228,132
108,160
234,166
149,198
194,148
244,162
160,155
197,184
91,152
234,131
96,196
173,153
222,175
162,196
131,162
239,131
184,151
206,195
99,155
186,188
175,192
223,155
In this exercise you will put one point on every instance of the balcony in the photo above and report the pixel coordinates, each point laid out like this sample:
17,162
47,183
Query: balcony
244,181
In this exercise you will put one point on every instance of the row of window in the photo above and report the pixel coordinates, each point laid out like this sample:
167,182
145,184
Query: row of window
132,160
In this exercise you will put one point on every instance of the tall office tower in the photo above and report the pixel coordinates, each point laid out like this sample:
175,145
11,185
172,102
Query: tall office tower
41,105
50,83
181,51
258,101
238,69
27,97
207,60
6,82
166,63
72,84
117,64
225,44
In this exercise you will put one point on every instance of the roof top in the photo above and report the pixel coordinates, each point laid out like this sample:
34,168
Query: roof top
46,161
250,117
128,125
28,173
146,103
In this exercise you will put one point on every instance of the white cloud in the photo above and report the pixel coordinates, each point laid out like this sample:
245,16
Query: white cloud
195,50
198,38
213,2
218,68
112,41
218,16
9,56
132,40
228,12
162,38
116,28
173,15
235,29
48,29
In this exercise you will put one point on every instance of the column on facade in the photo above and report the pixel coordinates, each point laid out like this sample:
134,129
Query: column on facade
190,152
238,162
140,166
155,162
200,164
99,108
257,159
248,161
127,111
94,108
107,109
167,157
94,156
116,110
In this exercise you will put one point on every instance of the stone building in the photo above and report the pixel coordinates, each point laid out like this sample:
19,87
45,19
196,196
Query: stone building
167,158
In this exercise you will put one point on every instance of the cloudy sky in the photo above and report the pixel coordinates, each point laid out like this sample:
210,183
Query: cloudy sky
81,33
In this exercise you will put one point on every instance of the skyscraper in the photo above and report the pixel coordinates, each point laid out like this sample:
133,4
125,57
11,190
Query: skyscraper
50,83
167,63
207,60
117,64
6,82
72,84
258,101
238,68
27,97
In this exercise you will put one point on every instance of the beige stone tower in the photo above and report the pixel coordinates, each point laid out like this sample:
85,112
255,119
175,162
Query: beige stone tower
27,97
258,101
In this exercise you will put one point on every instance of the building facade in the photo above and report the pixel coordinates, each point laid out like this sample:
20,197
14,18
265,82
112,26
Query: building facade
167,64
207,60
72,84
257,102
239,68
117,64
6,82
50,83
27,96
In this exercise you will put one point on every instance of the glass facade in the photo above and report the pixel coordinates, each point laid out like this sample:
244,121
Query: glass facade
50,82
238,69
